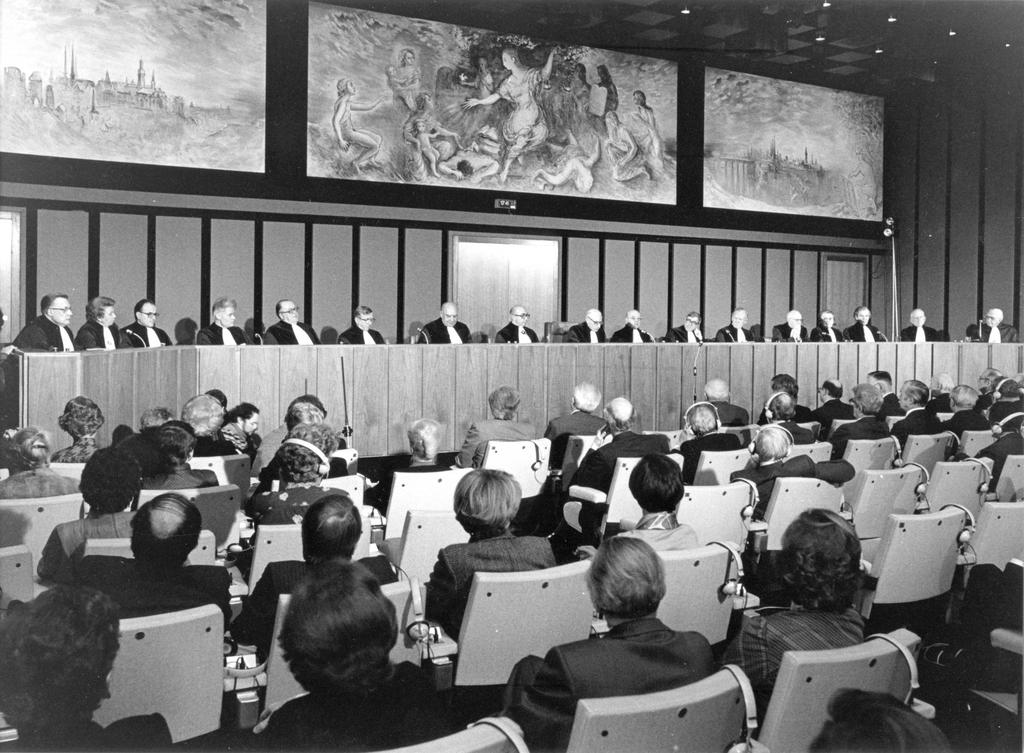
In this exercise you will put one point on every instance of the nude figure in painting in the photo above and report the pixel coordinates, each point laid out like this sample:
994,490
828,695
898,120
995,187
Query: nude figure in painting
347,134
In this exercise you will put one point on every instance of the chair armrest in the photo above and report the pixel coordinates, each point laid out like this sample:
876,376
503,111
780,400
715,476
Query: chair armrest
966,558
1008,640
922,708
757,526
586,494
749,601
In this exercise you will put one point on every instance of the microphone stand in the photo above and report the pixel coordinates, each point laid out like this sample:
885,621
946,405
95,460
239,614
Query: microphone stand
346,429
695,357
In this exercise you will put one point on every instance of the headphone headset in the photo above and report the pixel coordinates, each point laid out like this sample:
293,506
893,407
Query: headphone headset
325,464
732,586
964,537
418,629
747,513
984,485
921,490
537,464
997,428
897,452
778,427
768,402
686,416
750,724
996,394
909,657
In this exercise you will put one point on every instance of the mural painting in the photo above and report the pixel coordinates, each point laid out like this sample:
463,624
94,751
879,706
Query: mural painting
180,83
403,100
781,146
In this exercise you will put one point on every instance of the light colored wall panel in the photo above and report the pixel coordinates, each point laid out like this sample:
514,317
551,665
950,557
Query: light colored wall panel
284,253
776,284
582,282
123,261
931,240
748,281
965,157
63,261
332,278
686,277
654,284
805,287
178,252
618,283
232,257
378,276
422,279
718,289
1001,176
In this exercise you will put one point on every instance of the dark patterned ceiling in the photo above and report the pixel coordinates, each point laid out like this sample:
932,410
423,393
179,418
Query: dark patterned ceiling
839,43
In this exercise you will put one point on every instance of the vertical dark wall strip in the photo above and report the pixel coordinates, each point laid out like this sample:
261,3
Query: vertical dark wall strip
982,152
563,304
792,269
307,273
400,284
446,247
764,283
93,264
948,212
917,211
1018,221
703,287
735,274
31,263
817,299
257,278
151,256
357,232
671,284
600,274
636,274
205,259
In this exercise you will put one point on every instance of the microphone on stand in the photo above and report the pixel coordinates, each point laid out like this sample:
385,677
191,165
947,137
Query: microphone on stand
695,357
423,334
981,323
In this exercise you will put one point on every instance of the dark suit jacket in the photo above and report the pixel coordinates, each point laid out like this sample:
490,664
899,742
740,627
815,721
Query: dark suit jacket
1003,408
1009,443
855,333
692,449
510,334
865,427
800,434
182,478
42,334
625,335
635,657
828,412
448,587
931,335
90,335
820,334
1007,334
471,455
134,336
580,333
780,333
916,422
561,428
211,335
833,471
141,588
435,332
281,333
680,335
890,406
965,420
597,467
731,415
727,334
939,404
354,336
801,414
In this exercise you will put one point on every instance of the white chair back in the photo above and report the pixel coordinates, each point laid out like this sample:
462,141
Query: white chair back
870,454
745,433
220,507
926,449
693,590
420,491
351,457
715,468
575,450
171,664
716,512
68,470
957,484
280,543
407,611
790,497
426,532
16,574
31,521
512,615
1010,486
526,460
837,422
205,552
874,495
973,442
489,735
354,486
999,534
819,452
281,683
622,505
230,469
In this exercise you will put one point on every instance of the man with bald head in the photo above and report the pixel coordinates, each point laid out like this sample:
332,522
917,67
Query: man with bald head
917,332
590,330
736,331
832,407
793,331
580,421
288,330
993,330
516,331
632,333
716,391
446,328
49,331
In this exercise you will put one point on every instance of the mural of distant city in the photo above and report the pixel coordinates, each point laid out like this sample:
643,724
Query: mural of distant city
781,146
179,83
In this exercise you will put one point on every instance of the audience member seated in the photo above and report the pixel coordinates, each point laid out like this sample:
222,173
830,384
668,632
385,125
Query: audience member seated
34,477
241,425
716,391
941,386
987,381
306,409
57,653
330,532
786,383
164,531
890,402
109,484
424,444
504,404
145,446
962,400
639,654
867,402
205,415
580,421
701,422
337,636
81,418
772,446
865,722
781,410
176,444
832,406
913,396
819,566
1008,401
486,501
303,463
658,487
1009,442
219,396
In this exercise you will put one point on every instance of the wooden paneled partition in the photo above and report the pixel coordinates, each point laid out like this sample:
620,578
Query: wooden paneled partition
387,387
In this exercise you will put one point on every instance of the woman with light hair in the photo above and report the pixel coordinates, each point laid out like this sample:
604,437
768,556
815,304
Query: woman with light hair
81,418
504,405
99,331
35,478
206,415
485,504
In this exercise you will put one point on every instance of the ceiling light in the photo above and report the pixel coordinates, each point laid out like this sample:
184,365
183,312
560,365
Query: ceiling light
952,33
820,37
686,10
1007,44
892,18
879,50
826,4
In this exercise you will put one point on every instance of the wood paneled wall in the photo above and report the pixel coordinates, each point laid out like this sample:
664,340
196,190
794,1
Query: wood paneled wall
389,387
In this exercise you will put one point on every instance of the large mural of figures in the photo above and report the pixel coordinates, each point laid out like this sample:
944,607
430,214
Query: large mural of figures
161,83
781,146
404,100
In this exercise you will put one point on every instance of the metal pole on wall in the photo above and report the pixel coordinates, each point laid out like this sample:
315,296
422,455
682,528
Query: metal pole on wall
894,321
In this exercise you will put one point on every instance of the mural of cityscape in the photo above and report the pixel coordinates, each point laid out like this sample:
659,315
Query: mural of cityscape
411,101
178,84
781,146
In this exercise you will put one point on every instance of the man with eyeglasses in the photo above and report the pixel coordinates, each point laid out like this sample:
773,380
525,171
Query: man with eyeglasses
143,332
736,331
445,329
632,333
289,330
49,331
516,331
590,330
992,329
222,330
688,333
793,331
360,333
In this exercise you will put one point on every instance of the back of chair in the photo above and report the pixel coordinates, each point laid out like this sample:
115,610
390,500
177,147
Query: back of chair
957,483
944,416
68,470
16,574
205,552
707,715
407,611
490,735
837,422
870,454
622,505
716,512
575,450
31,521
420,491
715,468
812,426
219,506
790,497
512,615
674,436
745,433
807,680
819,452
973,442
353,486
1011,481
170,664
926,449
527,460
874,495
281,683
999,533
350,456
426,532
274,544
693,594
230,469
891,421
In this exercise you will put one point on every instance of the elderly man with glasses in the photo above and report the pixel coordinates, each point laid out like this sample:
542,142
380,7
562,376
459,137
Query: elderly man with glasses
590,330
688,333
992,329
360,333
516,331
793,331
143,332
288,330
446,329
49,331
